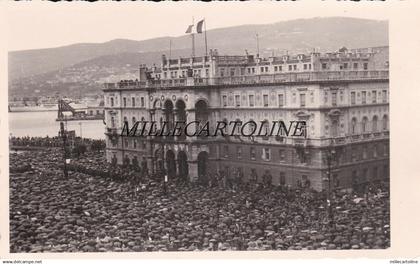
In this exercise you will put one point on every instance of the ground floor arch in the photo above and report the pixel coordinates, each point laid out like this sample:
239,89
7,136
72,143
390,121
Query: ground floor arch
202,166
170,163
183,165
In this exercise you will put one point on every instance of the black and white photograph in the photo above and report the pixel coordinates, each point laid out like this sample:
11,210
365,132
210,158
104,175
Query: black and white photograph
161,128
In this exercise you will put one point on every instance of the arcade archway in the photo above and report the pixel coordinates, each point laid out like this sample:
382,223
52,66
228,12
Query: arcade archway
181,116
202,166
201,115
170,163
168,113
183,165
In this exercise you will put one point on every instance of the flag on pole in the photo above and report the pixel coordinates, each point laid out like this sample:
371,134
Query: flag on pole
200,26
189,29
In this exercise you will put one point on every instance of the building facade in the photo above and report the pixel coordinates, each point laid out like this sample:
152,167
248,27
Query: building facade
342,96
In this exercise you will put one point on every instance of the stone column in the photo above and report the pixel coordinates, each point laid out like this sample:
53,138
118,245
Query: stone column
192,128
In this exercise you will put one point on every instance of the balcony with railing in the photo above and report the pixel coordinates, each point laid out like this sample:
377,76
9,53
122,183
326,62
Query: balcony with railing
255,79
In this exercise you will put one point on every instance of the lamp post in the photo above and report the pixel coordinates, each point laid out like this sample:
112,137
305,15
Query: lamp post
165,188
80,126
331,155
63,135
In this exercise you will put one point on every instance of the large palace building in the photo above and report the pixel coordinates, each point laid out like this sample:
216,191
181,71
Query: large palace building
342,96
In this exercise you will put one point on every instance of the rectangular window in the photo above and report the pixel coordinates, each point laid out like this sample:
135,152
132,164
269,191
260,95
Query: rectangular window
365,66
281,100
266,69
249,70
353,98
232,71
282,155
242,71
267,154
225,151
253,70
334,98
324,66
252,153
302,100
224,100
125,102
295,67
355,65
275,68
142,101
305,66
261,69
280,68
251,100
363,97
310,66
133,101
325,97
345,65
282,178
290,67
265,100
112,102
239,152
222,72
374,97
237,100
384,96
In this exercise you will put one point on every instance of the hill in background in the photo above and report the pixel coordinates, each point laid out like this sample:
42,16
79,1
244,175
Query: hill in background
81,68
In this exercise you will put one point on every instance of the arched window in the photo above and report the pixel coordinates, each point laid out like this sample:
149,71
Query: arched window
375,124
353,126
385,123
364,124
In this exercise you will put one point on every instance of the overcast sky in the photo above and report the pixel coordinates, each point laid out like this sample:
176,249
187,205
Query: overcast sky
45,25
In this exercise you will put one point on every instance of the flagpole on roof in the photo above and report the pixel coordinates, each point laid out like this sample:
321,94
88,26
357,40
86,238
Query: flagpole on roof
205,34
192,37
170,48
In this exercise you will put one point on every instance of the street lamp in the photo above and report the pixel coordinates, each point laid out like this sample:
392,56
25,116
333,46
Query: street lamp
63,135
331,155
80,125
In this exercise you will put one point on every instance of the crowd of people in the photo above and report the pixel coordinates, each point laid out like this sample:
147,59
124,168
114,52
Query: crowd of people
97,209
56,142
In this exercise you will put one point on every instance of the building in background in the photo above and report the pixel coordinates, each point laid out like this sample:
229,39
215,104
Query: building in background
343,97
